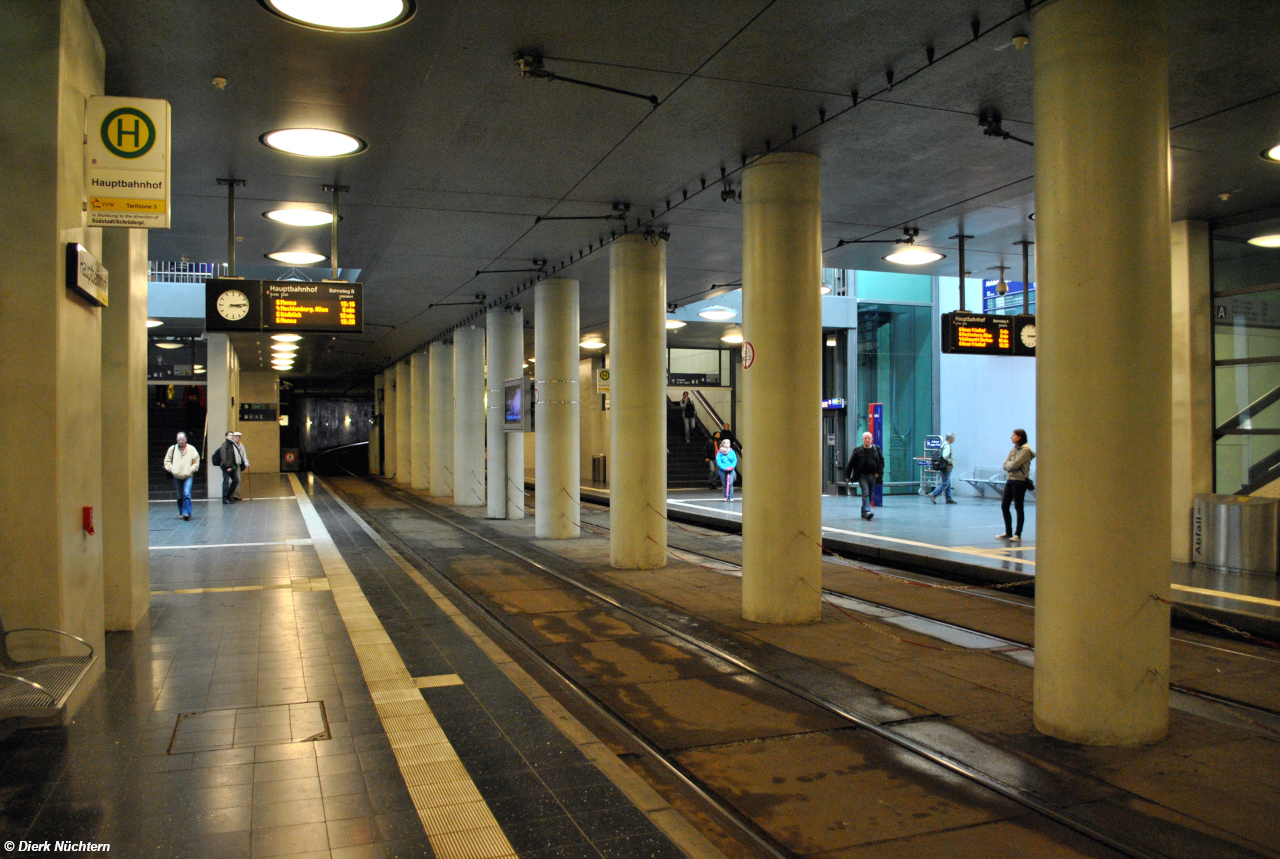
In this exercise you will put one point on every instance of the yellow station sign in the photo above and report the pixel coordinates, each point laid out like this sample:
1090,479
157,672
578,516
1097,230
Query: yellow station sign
127,162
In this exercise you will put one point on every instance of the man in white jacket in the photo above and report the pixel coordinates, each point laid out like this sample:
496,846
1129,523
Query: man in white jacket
182,462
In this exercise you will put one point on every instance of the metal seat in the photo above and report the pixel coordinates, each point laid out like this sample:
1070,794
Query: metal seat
36,690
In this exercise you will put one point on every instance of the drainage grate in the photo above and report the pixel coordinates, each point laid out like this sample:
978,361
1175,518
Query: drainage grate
250,726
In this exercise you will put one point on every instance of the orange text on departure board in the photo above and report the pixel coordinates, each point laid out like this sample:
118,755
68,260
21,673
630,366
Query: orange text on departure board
291,312
978,338
347,313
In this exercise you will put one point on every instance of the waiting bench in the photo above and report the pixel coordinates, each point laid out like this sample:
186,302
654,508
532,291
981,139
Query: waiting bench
35,691
984,477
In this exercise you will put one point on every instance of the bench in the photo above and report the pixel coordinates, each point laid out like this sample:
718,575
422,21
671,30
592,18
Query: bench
984,477
36,690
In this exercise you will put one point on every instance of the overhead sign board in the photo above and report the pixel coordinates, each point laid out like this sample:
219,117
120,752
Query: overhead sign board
988,334
127,161
283,305
85,275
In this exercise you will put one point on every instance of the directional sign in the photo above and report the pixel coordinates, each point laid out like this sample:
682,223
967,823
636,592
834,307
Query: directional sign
127,162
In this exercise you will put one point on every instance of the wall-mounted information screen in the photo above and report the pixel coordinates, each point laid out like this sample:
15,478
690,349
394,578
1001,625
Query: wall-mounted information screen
988,334
283,305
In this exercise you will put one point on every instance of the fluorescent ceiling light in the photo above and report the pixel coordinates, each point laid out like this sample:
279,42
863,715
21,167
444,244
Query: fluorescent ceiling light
296,257
154,323
286,338
716,313
284,347
345,15
170,345
593,343
1271,241
734,337
913,256
674,324
313,142
299,217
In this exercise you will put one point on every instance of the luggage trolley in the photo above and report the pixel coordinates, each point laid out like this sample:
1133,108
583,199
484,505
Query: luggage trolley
929,476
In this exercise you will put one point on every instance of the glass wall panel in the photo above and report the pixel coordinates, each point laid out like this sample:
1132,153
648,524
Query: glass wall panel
892,286
895,367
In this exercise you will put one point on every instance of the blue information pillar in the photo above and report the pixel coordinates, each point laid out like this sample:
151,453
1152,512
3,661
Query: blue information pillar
875,423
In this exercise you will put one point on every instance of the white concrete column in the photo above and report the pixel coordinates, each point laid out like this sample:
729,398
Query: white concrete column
468,416
419,420
1191,453
404,424
1102,376
440,431
782,389
391,423
504,335
375,431
557,436
126,562
637,403
219,373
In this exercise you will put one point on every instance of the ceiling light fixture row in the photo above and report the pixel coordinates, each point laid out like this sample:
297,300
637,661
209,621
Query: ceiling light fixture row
917,256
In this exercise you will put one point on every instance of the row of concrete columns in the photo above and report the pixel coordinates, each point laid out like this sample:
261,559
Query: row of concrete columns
1102,635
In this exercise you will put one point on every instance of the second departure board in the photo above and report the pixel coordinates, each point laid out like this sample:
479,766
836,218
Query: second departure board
988,334
331,308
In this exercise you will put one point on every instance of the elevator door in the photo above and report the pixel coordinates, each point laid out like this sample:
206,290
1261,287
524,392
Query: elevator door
832,445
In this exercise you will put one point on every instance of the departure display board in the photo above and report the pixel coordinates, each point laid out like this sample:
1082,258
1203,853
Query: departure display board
283,305
988,334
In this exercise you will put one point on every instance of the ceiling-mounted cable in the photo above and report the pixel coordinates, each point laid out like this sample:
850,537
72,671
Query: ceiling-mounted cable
530,66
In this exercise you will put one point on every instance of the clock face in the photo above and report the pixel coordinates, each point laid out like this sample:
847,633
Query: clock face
233,305
1028,336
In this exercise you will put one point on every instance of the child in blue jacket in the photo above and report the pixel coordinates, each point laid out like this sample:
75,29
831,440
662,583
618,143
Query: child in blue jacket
726,462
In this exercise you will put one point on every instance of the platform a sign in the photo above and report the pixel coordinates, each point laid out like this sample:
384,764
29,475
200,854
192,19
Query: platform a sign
127,161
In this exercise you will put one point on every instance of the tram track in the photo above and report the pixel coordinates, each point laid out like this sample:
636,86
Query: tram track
755,834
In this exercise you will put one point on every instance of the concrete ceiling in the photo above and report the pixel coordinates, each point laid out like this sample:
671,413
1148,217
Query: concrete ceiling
463,154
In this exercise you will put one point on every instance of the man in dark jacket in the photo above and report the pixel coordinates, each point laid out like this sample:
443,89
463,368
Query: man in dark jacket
229,462
867,467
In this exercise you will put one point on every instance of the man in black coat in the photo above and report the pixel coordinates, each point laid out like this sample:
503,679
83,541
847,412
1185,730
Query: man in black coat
867,467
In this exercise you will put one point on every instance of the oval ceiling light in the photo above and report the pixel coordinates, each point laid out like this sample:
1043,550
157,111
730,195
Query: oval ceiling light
675,324
286,338
593,343
716,313
313,142
154,323
1271,241
169,345
1272,154
296,257
733,337
347,16
825,290
914,256
199,370
299,217
284,347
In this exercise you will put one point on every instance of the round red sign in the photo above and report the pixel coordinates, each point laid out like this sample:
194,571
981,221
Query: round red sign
748,355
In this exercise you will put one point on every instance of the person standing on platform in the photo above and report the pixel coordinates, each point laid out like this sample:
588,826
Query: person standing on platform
227,458
242,456
726,462
182,462
867,467
713,448
944,473
1018,466
689,412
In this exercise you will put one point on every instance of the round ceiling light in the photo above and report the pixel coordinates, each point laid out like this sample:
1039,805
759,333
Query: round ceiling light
1272,154
169,345
313,142
284,347
199,370
299,217
733,337
914,256
675,324
286,338
1271,241
716,313
296,257
824,290
359,16
154,323
592,343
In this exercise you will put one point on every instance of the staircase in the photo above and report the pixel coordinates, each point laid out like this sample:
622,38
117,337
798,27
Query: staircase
686,465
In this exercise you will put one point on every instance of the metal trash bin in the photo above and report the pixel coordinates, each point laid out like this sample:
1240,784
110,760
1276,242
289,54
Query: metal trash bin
599,468
1236,532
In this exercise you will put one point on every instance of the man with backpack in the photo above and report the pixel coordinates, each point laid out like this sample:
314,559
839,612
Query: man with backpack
227,458
867,467
943,463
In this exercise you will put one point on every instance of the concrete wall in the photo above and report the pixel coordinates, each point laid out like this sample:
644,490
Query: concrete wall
261,438
593,417
50,403
983,397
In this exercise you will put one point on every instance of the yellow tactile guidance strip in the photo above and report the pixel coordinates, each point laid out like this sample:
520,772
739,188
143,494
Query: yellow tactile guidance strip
668,821
458,823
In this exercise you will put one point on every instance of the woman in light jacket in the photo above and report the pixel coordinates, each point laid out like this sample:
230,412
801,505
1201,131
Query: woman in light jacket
1018,466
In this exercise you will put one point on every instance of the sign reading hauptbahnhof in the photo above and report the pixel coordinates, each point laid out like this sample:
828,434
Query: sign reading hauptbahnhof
127,162
283,305
988,334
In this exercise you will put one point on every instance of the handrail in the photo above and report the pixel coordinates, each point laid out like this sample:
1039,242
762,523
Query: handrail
715,416
1257,406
